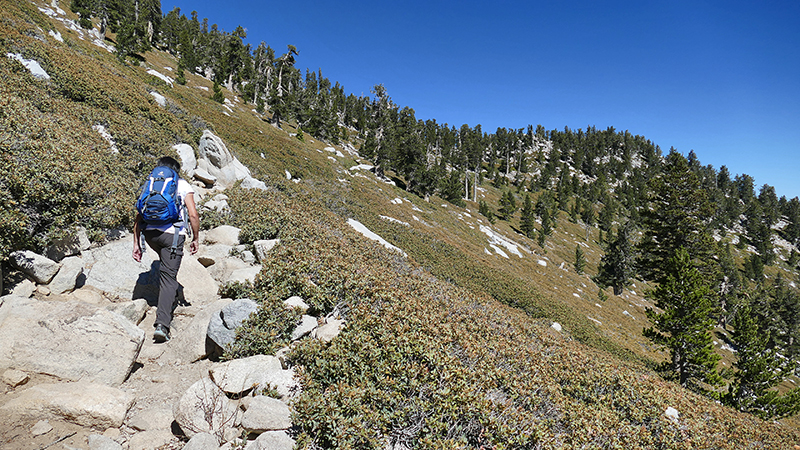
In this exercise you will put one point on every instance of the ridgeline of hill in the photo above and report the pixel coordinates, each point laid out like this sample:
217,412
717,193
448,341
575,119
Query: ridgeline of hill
451,346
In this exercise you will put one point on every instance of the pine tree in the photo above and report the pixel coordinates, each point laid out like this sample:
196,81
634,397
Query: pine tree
528,217
508,205
759,370
484,210
580,260
685,324
616,266
677,216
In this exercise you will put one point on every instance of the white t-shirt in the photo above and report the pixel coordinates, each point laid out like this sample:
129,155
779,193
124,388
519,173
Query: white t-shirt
184,189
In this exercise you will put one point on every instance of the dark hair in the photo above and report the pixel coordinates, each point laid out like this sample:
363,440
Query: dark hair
170,162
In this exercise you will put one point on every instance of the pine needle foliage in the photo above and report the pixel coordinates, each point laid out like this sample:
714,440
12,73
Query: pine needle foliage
685,323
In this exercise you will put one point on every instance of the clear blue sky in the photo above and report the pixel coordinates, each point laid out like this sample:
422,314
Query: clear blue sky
721,78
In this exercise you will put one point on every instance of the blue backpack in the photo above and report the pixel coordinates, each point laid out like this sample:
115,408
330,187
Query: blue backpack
158,202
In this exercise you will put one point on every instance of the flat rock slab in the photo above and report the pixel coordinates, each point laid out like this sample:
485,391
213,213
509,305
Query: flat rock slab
70,340
86,404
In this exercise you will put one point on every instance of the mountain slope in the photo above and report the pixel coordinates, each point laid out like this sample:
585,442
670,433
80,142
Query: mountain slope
450,347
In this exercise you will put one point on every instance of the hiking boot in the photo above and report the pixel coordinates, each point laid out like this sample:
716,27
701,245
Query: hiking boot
161,334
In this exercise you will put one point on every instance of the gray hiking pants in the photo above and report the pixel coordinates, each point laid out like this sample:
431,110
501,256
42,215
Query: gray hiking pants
168,272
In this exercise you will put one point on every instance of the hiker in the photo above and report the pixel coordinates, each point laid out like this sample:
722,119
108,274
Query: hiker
165,234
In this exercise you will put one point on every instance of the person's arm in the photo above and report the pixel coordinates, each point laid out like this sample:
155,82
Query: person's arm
194,222
137,230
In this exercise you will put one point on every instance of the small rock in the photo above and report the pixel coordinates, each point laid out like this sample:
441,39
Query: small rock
222,326
14,378
266,414
296,302
150,440
248,257
330,330
263,247
151,419
202,441
224,234
245,275
25,288
133,310
44,290
307,324
672,414
272,440
101,442
41,427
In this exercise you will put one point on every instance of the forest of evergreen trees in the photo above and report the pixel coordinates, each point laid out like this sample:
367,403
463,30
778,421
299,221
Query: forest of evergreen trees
657,214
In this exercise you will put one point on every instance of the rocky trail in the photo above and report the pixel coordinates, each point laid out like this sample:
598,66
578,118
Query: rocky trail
80,368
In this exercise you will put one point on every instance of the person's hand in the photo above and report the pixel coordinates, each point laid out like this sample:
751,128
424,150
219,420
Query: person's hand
194,246
137,254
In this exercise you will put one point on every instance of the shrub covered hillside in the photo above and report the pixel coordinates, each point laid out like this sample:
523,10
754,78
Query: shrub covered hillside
448,347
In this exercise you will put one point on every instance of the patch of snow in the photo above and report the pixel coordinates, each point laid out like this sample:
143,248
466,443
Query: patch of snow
496,239
32,65
542,263
330,149
576,295
594,320
288,174
358,226
598,305
56,35
485,250
160,75
392,219
499,251
160,99
415,217
396,201
53,13
415,208
204,88
362,167
728,348
332,158
107,136
556,326
626,313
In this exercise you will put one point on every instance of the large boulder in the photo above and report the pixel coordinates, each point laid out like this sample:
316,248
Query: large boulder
217,160
83,403
67,277
70,340
204,408
191,344
239,376
41,269
118,275
222,327
186,155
